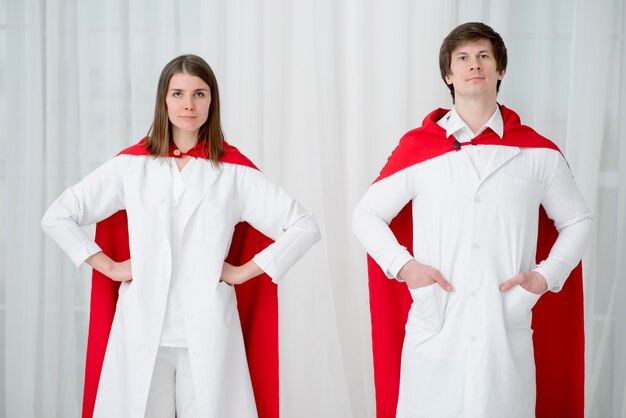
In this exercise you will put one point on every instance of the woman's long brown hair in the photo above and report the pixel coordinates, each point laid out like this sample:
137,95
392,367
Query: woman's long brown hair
210,135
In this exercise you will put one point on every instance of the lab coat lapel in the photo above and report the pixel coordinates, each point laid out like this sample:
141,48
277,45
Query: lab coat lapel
160,185
503,155
463,157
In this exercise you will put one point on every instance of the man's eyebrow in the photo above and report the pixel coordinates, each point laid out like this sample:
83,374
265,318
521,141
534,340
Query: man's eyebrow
484,51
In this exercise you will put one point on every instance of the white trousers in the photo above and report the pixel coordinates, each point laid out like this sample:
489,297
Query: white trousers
171,390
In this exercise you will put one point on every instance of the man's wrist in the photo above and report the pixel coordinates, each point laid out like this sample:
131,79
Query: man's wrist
398,264
545,274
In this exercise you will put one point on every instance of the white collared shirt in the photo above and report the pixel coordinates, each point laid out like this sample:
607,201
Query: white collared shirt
481,156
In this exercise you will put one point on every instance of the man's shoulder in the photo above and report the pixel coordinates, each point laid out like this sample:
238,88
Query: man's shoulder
430,133
520,135
416,146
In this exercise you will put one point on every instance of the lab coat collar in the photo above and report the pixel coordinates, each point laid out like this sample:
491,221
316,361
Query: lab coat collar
452,123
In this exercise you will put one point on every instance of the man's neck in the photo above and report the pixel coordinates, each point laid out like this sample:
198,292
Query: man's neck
475,113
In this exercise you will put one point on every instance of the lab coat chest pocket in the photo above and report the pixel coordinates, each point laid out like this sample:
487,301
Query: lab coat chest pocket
518,199
217,220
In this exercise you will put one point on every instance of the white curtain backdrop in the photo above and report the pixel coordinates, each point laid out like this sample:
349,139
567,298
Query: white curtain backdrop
317,93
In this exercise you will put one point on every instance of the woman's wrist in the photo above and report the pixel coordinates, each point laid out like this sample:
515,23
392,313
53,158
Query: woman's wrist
248,271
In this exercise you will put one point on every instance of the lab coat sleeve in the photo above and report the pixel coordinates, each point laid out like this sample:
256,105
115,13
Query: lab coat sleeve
94,198
565,205
270,210
372,215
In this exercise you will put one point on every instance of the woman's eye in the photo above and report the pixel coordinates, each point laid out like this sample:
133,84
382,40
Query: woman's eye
177,94
200,94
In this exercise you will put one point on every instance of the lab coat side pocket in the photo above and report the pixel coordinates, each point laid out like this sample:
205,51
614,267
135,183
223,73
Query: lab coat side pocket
226,295
426,314
518,304
127,287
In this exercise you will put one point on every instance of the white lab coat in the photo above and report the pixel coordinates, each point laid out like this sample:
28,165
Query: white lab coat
469,353
214,201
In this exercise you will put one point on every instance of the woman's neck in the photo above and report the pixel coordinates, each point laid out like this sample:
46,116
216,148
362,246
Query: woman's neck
185,140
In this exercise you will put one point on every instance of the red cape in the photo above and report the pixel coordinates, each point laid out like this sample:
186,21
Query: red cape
557,318
257,301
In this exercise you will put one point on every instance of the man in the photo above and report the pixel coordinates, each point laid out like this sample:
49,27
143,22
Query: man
474,179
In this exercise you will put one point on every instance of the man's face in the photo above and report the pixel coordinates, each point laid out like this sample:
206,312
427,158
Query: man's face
473,70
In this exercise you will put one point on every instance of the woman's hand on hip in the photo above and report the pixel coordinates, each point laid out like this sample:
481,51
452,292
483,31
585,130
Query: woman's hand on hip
239,274
119,272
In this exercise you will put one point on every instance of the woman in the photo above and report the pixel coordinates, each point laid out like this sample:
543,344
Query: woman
174,348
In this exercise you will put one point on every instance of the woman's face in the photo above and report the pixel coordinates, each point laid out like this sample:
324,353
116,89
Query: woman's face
188,101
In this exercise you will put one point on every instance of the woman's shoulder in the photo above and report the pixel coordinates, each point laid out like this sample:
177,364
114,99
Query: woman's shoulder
138,149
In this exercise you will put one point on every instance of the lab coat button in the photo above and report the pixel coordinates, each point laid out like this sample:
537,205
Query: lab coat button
473,339
477,200
189,317
475,246
473,294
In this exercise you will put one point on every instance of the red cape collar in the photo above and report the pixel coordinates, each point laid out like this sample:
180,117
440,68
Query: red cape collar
429,141
231,154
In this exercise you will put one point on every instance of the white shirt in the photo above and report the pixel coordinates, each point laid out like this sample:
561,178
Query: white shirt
469,353
173,334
